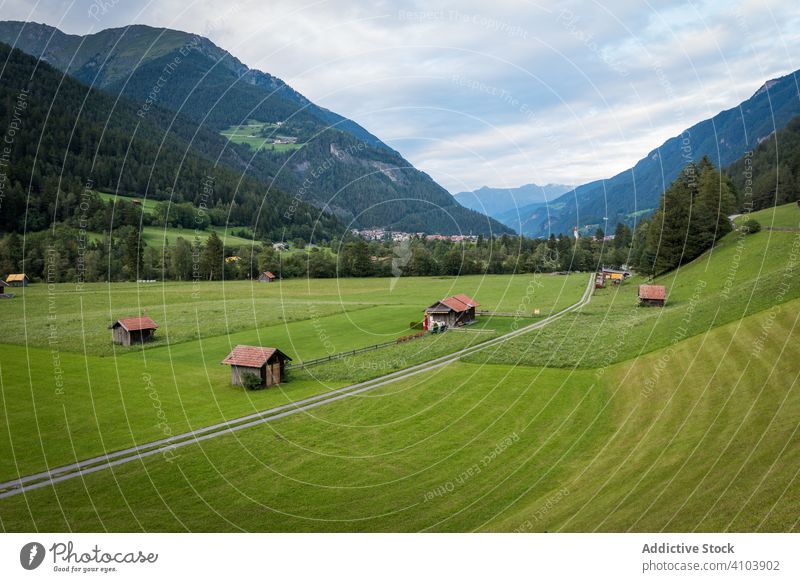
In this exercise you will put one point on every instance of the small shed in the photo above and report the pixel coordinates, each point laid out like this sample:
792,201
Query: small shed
599,281
269,364
451,311
133,330
652,295
267,277
17,280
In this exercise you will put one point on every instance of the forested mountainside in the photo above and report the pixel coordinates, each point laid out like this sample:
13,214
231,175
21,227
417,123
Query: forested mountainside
372,185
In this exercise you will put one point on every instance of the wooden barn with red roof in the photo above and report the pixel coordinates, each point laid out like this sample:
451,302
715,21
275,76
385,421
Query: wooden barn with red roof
133,330
269,364
451,311
267,277
652,295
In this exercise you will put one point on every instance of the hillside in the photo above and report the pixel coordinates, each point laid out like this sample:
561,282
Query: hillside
70,138
635,192
342,168
502,203
771,175
783,217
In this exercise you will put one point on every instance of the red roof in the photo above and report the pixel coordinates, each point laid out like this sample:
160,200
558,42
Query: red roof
136,323
455,304
458,303
658,292
251,356
269,275
469,301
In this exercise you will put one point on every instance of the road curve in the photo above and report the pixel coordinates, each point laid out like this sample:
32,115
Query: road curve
163,446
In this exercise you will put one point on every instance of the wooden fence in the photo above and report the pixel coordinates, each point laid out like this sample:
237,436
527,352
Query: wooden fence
340,355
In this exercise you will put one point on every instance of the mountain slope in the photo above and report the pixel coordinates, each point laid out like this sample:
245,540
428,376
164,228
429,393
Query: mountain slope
635,192
69,138
771,175
372,186
496,202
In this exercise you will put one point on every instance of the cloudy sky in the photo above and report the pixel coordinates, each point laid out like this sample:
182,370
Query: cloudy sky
498,93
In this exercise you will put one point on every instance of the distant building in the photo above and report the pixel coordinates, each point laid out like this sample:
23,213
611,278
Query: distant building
17,280
266,277
599,281
451,311
268,364
133,330
279,246
616,276
652,295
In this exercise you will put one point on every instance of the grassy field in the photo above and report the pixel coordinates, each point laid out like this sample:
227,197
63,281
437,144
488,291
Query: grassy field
711,446
148,204
250,134
159,236
784,216
69,393
741,276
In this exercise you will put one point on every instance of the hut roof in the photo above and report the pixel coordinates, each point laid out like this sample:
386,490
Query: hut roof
251,356
652,292
14,277
135,323
457,303
269,274
467,300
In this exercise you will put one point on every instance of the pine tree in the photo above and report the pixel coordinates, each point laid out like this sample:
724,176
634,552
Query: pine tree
212,258
132,255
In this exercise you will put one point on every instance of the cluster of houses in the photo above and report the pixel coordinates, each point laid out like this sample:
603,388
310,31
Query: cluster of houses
400,236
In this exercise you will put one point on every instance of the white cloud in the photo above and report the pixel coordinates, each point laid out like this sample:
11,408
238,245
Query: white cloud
570,92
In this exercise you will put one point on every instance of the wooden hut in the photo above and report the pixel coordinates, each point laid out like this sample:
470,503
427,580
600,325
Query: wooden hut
133,330
599,281
17,280
652,295
269,364
266,277
451,311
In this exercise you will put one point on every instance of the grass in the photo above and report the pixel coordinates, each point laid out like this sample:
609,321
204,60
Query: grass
784,216
741,276
159,236
68,393
148,204
712,445
250,134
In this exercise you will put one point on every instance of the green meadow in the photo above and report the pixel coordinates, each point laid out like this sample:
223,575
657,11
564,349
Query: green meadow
711,447
250,134
742,275
612,418
784,216
86,396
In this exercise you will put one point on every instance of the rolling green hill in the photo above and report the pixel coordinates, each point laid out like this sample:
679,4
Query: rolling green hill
783,216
